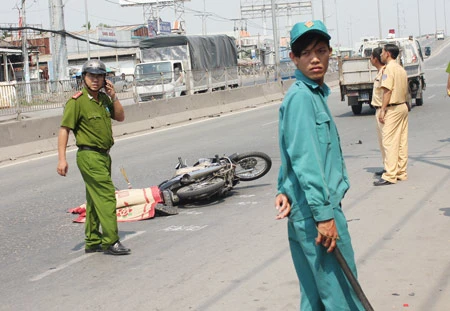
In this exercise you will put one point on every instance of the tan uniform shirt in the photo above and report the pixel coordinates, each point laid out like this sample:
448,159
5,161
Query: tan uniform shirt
394,78
377,93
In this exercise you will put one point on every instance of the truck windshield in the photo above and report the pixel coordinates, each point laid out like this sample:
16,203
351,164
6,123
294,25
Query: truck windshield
153,71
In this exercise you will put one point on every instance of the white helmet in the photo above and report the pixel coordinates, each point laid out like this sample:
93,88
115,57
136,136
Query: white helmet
94,66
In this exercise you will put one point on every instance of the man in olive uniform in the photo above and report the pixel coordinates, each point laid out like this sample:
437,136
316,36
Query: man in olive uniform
313,179
393,116
88,114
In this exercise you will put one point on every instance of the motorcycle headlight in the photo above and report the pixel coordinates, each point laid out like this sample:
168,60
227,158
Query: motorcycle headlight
186,179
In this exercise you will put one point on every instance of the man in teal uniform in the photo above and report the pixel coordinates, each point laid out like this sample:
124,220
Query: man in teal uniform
88,114
313,179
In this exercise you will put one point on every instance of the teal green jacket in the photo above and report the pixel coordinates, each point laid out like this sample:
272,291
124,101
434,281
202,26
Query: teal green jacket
312,172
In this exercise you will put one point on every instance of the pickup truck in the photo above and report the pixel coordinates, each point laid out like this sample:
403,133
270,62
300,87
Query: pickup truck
356,75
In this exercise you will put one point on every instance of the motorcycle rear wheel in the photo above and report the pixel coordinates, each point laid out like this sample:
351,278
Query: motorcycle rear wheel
252,165
201,190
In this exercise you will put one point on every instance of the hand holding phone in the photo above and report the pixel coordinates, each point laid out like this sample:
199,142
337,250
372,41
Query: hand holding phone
109,88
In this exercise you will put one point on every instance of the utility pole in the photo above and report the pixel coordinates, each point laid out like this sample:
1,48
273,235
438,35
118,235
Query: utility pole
88,45
418,16
276,41
59,46
380,33
204,15
445,19
337,30
26,64
435,17
323,13
398,20
204,19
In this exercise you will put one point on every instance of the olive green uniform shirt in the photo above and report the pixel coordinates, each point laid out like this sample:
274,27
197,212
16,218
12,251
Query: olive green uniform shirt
90,120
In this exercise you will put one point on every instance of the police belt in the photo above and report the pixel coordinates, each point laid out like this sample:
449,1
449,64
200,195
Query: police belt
390,105
100,150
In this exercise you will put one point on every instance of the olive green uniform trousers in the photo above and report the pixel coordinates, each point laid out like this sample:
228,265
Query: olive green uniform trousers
95,168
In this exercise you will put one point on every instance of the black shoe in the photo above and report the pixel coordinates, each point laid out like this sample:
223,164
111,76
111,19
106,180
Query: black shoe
379,173
382,182
93,249
117,249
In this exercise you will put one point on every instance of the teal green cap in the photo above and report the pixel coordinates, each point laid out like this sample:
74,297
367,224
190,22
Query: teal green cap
302,28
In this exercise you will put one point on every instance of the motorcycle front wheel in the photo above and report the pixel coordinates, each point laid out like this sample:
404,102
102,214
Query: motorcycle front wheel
201,190
252,165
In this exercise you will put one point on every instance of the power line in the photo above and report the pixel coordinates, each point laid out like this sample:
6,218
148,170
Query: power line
63,32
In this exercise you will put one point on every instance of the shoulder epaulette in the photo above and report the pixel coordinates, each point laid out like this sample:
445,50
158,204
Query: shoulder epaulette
77,94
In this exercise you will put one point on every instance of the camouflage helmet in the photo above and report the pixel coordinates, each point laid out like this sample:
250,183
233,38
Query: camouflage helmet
94,66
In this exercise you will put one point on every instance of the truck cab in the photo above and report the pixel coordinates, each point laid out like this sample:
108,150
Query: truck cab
155,80
356,75
440,35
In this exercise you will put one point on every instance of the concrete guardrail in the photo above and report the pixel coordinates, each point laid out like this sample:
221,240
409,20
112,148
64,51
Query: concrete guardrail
39,135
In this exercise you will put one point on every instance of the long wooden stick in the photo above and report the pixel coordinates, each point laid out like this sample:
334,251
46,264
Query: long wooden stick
353,281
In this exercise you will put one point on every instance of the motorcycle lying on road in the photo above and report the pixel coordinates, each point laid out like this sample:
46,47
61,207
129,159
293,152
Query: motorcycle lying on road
213,177
207,178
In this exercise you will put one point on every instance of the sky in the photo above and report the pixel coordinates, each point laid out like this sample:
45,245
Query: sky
347,20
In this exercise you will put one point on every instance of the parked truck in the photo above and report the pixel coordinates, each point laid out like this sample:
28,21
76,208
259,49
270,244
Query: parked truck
356,75
177,65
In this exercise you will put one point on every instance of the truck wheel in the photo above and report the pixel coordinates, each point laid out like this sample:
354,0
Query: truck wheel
419,101
357,109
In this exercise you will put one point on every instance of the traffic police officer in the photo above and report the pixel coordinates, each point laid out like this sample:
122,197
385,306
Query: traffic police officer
377,99
88,114
393,115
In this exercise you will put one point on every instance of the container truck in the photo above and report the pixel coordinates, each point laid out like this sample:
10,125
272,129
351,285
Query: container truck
177,65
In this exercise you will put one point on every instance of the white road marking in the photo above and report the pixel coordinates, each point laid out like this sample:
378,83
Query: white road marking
76,260
248,203
430,97
184,228
247,195
265,124
190,213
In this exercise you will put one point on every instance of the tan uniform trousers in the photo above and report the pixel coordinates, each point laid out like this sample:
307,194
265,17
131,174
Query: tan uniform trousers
380,135
394,142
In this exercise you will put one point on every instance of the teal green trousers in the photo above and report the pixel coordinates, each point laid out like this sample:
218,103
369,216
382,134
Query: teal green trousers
323,285
95,168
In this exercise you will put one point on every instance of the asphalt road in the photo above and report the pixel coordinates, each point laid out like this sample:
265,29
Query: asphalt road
232,254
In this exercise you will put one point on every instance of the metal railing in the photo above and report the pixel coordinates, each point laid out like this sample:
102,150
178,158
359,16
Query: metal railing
21,97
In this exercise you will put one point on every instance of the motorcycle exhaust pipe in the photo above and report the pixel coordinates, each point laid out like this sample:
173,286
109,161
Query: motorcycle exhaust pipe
190,177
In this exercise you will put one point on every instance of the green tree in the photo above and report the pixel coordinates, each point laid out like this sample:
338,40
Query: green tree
104,25
89,26
5,34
